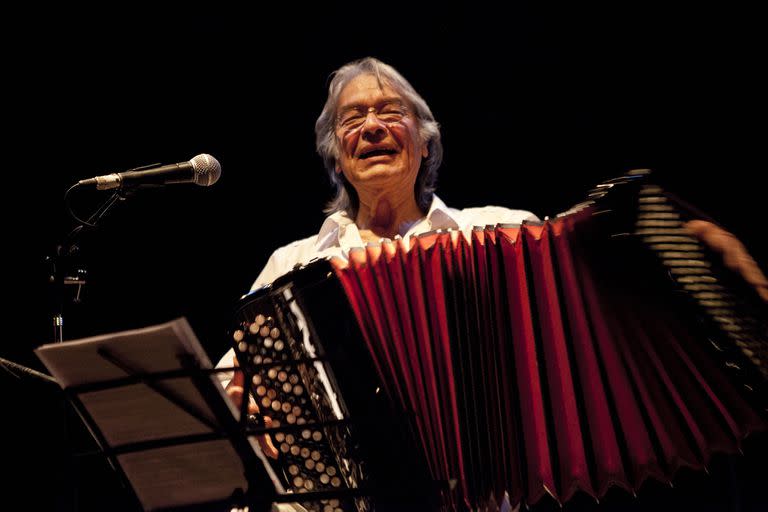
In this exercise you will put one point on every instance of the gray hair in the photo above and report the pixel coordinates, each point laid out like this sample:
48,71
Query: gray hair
328,146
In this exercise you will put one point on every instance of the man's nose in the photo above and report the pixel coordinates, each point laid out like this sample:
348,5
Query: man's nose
373,129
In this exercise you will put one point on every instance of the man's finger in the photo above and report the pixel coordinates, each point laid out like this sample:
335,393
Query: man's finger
239,378
734,253
235,390
266,441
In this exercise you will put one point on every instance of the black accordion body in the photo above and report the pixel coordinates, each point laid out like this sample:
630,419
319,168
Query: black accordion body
600,348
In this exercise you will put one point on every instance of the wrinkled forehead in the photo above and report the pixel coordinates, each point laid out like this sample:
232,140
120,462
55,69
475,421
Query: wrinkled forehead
366,90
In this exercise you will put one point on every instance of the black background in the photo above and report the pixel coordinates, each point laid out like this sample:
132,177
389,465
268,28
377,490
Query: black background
537,103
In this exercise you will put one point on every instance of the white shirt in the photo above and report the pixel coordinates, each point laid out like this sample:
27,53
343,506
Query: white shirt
339,234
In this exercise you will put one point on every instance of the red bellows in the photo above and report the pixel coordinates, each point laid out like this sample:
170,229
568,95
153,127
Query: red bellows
542,360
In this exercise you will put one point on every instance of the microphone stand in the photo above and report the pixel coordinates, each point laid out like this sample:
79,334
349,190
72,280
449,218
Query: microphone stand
65,270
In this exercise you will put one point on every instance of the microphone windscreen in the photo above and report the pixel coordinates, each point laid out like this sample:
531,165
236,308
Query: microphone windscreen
207,169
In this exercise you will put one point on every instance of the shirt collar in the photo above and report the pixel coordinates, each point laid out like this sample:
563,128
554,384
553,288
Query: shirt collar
340,230
442,217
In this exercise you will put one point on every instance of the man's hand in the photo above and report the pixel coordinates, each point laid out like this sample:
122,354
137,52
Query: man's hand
235,390
735,255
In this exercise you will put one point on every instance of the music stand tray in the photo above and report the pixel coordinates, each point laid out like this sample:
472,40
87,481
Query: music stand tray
151,399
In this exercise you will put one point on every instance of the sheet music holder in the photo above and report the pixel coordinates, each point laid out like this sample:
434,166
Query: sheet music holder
151,399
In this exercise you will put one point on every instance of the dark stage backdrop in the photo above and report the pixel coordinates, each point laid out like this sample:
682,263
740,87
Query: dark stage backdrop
537,103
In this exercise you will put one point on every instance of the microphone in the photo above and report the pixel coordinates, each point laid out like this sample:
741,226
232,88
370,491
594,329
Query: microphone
203,170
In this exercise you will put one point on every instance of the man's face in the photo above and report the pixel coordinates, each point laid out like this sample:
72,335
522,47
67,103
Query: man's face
379,137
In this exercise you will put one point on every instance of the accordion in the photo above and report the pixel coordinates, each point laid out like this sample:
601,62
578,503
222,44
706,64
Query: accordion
600,348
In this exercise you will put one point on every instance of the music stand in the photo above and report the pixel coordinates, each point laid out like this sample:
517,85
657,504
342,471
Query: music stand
154,405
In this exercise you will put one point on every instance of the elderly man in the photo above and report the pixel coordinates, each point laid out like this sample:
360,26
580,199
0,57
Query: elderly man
381,148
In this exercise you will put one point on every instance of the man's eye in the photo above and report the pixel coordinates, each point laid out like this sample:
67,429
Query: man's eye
391,115
351,120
